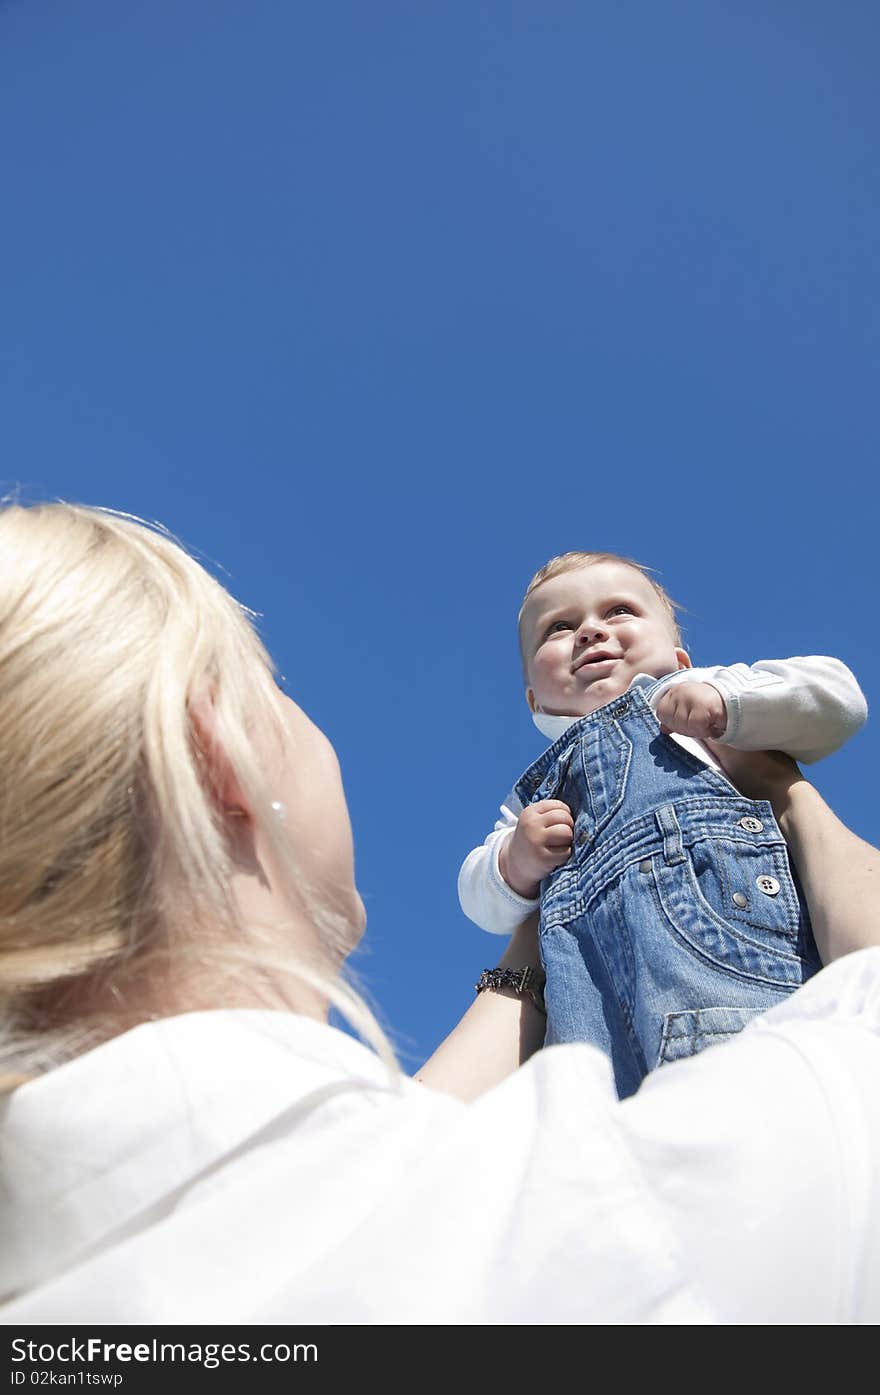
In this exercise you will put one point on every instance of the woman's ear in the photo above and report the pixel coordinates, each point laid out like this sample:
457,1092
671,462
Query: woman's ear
214,762
684,658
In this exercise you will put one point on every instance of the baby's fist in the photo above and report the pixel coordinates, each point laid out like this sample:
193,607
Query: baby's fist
693,709
540,842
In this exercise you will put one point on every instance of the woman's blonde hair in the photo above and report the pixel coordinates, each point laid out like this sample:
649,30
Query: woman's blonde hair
111,843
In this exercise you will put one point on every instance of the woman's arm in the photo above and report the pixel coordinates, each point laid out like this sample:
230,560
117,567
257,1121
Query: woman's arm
839,872
497,1033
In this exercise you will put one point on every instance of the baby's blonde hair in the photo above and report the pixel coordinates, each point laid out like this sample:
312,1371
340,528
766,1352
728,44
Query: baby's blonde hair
110,839
570,561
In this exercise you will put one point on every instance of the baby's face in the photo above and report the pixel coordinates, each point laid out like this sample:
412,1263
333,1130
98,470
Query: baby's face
588,632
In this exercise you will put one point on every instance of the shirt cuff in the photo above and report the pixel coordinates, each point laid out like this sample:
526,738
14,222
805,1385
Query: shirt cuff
500,886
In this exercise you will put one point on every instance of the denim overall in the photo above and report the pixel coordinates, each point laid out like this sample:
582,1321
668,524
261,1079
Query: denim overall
677,917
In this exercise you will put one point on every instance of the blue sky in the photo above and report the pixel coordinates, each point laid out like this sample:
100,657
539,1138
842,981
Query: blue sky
380,306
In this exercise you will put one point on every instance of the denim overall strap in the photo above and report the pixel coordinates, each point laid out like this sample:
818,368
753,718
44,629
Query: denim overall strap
586,768
670,831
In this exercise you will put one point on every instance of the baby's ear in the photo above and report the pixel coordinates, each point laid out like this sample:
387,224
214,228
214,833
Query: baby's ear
684,658
530,699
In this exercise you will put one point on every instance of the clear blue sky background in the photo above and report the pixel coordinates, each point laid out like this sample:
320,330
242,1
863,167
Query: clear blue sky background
381,305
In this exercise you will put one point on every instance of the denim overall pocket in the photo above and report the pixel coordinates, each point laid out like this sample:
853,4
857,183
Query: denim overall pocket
728,896
688,1033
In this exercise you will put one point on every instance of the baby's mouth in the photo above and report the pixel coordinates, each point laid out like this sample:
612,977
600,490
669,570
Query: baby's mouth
599,659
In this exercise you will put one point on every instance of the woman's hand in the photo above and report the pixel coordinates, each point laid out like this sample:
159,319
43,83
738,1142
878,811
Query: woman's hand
839,872
766,775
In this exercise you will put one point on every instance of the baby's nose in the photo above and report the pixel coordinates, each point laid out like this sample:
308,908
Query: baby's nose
591,631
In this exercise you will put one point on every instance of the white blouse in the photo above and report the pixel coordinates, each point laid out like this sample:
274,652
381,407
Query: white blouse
257,1167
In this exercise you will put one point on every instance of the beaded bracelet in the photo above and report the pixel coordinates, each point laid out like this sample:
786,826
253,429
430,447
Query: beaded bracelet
527,980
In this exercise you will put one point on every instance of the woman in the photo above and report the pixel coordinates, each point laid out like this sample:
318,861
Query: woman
184,1139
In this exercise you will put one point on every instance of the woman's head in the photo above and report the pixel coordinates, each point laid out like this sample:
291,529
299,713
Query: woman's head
147,755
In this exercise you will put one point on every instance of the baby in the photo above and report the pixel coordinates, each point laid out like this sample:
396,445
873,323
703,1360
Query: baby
669,912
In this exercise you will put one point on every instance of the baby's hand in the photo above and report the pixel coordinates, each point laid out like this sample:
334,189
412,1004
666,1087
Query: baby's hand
540,842
693,709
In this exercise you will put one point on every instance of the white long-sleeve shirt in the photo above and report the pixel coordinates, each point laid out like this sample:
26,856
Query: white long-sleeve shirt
807,707
257,1167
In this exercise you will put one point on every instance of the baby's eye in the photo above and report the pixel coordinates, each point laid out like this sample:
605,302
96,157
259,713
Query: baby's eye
621,610
559,625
